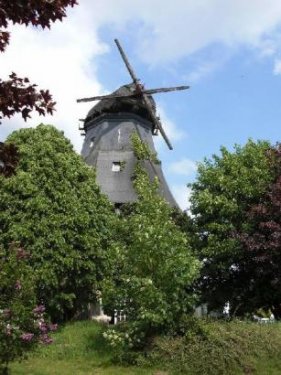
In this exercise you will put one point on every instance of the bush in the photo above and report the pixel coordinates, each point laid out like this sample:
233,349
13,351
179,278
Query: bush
216,348
22,323
152,269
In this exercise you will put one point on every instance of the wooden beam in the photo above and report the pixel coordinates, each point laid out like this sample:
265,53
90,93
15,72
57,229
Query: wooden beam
104,97
156,120
165,89
133,94
126,61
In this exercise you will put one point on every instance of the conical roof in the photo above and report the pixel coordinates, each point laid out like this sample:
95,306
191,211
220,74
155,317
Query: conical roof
115,105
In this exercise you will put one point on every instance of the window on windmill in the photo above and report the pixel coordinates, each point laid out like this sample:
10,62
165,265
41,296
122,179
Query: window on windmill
116,166
92,141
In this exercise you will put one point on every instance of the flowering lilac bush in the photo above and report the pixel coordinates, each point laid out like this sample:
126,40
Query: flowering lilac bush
22,322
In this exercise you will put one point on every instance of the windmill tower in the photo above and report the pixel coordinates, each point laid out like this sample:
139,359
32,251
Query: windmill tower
108,128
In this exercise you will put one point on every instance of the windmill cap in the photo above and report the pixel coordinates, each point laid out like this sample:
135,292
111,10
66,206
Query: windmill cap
116,105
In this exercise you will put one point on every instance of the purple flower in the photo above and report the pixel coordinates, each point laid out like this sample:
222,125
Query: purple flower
53,327
8,330
27,337
39,309
45,339
43,327
22,254
18,285
7,313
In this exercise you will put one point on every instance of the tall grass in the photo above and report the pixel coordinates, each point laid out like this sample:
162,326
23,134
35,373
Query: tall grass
221,348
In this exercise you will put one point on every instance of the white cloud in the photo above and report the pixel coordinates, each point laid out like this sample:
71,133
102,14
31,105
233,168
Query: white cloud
64,58
171,30
183,167
201,71
59,60
277,67
269,47
182,195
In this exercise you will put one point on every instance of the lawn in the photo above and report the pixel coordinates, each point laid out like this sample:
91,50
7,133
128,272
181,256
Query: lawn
77,349
227,348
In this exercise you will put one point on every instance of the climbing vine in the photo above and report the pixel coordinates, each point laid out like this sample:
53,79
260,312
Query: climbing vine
142,150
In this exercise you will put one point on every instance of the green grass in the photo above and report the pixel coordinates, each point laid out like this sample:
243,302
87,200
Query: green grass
78,349
216,348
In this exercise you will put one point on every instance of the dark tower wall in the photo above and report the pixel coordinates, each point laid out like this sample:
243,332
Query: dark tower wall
108,148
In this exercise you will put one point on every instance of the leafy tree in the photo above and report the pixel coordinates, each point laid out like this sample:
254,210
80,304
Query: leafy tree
153,267
262,242
22,323
226,187
54,207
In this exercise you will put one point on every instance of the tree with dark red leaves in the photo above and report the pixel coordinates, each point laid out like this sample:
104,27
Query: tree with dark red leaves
236,202
9,158
263,245
18,95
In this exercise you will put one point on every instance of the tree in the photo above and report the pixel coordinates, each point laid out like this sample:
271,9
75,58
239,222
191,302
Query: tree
153,266
17,94
9,158
262,242
53,206
226,187
22,323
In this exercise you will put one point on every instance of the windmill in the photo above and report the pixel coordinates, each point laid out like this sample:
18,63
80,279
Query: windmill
130,108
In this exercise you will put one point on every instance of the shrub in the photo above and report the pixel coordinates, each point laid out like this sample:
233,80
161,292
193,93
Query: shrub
216,348
152,269
22,323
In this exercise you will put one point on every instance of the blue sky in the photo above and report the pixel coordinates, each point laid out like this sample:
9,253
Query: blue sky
228,51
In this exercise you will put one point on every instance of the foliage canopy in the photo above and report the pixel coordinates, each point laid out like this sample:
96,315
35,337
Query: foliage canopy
53,206
262,241
226,187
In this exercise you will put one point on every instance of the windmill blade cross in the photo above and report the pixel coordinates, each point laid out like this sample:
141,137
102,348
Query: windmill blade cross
102,97
143,95
140,93
134,94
